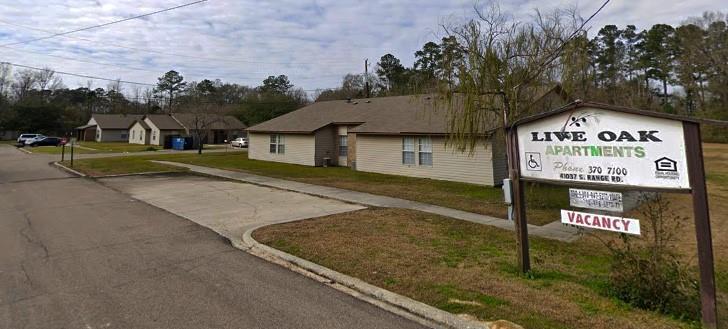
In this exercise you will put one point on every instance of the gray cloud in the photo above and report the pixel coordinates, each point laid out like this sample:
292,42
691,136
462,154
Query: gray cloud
314,42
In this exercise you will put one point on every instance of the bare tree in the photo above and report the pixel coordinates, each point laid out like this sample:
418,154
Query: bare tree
46,79
200,118
505,64
25,80
5,80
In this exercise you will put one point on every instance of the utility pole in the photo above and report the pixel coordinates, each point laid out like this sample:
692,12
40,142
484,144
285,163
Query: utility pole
366,76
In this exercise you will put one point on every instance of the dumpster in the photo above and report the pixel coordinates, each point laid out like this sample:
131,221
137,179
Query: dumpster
178,143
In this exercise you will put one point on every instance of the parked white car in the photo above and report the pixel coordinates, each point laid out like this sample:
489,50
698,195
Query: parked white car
28,138
239,142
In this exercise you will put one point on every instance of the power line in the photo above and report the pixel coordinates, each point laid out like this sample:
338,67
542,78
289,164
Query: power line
147,70
80,75
558,50
204,58
105,24
114,80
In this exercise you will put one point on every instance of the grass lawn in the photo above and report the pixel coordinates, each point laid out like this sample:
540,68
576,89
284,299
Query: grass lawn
545,200
119,165
467,268
462,267
94,147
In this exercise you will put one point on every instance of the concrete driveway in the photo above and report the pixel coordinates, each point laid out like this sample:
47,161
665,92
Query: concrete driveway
77,254
229,208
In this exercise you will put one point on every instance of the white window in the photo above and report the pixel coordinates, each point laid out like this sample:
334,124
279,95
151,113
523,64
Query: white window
425,151
408,150
154,135
277,144
133,134
343,145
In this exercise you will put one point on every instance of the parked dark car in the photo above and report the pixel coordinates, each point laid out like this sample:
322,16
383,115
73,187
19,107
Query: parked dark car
47,141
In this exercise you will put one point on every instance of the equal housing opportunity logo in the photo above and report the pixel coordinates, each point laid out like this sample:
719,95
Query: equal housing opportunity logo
666,168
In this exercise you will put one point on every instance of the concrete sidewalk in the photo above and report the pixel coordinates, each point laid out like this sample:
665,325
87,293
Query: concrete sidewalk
555,230
79,156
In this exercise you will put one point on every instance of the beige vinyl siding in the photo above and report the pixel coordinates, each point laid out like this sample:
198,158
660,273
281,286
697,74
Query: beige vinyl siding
138,135
156,136
300,148
383,154
112,135
326,145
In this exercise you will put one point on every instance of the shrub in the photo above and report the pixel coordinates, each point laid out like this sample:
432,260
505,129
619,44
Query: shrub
150,149
646,272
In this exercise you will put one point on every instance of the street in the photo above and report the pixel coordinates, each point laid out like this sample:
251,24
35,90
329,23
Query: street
77,254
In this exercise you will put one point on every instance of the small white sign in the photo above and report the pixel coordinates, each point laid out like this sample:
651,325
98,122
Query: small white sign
601,200
601,222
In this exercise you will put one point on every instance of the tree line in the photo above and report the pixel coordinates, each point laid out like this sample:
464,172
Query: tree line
681,69
38,101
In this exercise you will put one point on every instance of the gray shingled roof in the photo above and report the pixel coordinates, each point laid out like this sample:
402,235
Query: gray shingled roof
418,114
141,123
115,121
218,122
164,122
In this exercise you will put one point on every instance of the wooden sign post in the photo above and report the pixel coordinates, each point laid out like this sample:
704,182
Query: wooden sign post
592,145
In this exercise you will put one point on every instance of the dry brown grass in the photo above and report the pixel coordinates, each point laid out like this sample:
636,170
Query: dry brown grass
464,267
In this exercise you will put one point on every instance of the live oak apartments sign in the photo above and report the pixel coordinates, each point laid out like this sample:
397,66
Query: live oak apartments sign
591,145
598,146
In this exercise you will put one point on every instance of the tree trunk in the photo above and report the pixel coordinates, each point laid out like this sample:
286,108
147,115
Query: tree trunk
199,143
664,92
169,109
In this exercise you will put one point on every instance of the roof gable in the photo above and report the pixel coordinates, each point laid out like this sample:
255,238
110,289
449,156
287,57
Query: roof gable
114,121
215,121
418,114
163,121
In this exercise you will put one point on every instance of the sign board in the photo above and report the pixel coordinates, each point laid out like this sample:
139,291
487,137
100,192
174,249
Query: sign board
601,200
601,222
599,146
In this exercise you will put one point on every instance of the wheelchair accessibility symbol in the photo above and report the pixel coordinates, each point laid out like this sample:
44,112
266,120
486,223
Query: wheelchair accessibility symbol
533,161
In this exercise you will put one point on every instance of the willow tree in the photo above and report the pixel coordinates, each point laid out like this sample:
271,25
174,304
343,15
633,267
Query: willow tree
506,65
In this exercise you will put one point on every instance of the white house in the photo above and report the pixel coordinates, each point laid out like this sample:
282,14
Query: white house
107,128
402,135
154,129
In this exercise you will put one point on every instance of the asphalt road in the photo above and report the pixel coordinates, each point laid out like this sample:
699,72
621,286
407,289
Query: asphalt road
76,254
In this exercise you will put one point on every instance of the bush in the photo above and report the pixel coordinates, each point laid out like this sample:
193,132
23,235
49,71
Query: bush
646,272
150,149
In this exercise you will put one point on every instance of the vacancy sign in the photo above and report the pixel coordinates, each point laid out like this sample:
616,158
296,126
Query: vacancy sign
604,147
601,222
600,200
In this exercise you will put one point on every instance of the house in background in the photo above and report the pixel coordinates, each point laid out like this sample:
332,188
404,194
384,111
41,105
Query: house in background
402,135
9,135
217,128
153,129
107,128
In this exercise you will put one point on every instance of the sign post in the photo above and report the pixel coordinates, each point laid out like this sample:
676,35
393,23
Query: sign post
702,225
595,145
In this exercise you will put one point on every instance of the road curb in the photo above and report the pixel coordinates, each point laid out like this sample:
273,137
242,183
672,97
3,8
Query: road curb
398,304
139,174
62,167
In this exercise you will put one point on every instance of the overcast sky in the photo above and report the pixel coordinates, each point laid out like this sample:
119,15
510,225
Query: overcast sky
313,42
